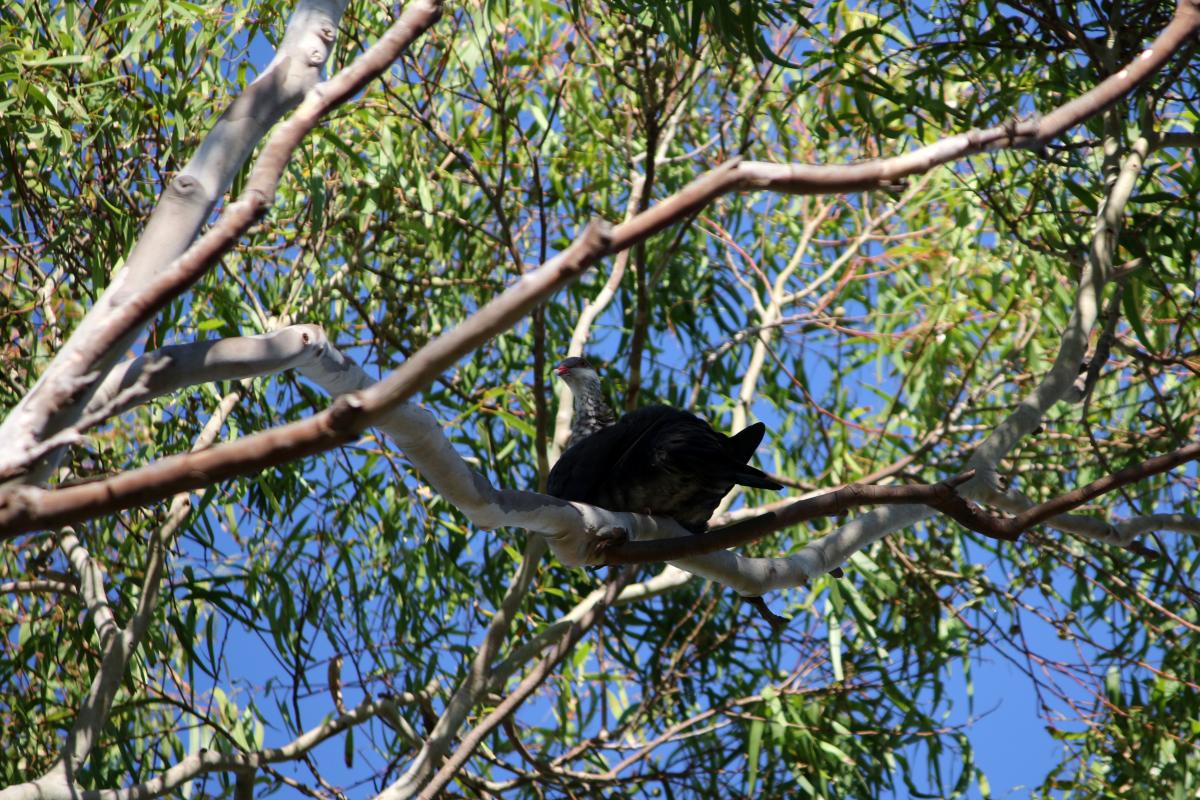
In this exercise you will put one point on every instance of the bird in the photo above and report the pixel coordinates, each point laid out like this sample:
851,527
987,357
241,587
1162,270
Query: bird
655,460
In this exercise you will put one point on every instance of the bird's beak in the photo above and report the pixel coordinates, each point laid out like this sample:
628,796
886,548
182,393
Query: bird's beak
560,370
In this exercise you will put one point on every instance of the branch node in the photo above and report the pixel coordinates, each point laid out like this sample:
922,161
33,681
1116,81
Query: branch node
776,622
184,185
604,541
960,479
597,237
1140,549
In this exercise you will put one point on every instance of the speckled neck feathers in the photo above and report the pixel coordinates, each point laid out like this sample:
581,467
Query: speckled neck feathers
591,410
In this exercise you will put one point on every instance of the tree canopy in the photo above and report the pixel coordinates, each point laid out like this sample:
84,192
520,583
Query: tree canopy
947,254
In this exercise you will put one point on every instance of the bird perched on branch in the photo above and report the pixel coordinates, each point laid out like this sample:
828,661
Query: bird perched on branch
656,460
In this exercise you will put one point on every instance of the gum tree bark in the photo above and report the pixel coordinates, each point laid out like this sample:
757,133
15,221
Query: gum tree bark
63,390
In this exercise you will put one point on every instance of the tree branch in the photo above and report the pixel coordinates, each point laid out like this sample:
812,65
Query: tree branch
67,380
37,585
28,509
186,203
476,683
517,696
168,369
91,586
206,761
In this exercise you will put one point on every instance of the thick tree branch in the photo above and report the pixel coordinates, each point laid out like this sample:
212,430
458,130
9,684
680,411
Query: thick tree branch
91,585
38,585
185,205
168,369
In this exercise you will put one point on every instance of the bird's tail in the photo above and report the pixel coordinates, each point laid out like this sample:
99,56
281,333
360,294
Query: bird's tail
747,475
743,443
741,447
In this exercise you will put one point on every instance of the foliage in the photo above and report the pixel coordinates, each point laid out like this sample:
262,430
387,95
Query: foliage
890,328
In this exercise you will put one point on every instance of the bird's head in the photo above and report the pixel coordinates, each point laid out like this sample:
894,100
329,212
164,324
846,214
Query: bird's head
577,373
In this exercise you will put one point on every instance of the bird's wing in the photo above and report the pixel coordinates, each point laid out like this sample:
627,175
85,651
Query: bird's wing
643,436
583,467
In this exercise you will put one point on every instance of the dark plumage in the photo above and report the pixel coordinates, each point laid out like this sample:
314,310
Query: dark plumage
659,460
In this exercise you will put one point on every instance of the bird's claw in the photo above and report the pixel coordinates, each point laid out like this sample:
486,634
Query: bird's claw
604,540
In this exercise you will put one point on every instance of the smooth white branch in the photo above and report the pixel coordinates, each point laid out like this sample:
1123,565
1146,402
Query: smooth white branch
60,394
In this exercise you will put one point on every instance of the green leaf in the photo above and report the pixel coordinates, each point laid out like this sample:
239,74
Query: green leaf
56,61
752,750
1131,306
835,648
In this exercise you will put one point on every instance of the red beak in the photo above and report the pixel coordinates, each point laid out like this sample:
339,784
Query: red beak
561,370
